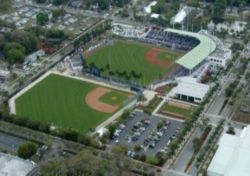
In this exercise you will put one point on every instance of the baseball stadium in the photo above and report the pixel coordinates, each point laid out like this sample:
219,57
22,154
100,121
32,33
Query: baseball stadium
149,55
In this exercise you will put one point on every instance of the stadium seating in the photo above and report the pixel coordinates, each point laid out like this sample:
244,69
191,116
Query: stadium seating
170,39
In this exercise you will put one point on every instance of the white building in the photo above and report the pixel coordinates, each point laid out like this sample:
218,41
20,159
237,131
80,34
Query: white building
4,73
232,28
232,156
14,166
33,57
188,89
75,62
181,15
220,57
155,15
147,9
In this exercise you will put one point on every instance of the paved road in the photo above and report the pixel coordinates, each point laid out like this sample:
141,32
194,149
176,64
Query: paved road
9,142
185,154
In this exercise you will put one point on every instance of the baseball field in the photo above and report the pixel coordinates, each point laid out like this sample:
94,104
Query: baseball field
139,62
67,102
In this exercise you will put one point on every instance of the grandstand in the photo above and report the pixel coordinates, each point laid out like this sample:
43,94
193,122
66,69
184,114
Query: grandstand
198,45
199,53
170,39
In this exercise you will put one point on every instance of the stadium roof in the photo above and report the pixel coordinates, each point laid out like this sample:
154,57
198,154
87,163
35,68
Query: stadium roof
232,156
191,59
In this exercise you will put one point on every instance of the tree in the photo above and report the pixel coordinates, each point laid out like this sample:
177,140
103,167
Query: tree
25,39
119,149
125,114
137,148
57,2
196,144
193,3
13,45
85,163
40,1
103,4
6,5
14,55
55,34
159,7
57,13
42,18
230,130
69,134
27,150
218,11
160,124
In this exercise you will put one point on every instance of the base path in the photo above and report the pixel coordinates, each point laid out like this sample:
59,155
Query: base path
151,57
93,100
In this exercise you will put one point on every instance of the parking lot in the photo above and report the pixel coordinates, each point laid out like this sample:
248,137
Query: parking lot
9,142
151,133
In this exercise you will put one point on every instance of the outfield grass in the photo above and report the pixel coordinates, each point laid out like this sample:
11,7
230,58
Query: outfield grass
128,56
177,110
61,101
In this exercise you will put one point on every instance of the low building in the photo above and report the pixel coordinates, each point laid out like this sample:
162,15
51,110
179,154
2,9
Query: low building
4,30
188,89
34,56
181,15
155,15
4,74
232,156
75,62
232,28
14,166
220,58
147,9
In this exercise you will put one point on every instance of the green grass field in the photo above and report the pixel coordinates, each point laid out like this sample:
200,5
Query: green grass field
61,101
114,98
127,56
168,55
177,110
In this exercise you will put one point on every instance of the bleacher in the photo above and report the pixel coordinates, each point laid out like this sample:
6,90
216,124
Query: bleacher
170,39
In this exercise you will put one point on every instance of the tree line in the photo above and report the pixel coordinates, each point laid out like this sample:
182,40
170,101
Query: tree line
65,133
17,44
100,29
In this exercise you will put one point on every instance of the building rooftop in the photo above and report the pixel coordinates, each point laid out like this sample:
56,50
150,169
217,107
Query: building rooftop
147,9
190,87
198,54
232,156
14,166
181,15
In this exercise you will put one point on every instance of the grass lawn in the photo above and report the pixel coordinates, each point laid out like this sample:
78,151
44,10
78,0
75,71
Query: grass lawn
168,55
177,110
152,104
127,56
114,98
61,101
